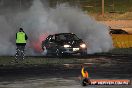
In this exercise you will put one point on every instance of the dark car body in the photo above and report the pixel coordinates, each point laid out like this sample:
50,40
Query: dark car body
64,43
118,31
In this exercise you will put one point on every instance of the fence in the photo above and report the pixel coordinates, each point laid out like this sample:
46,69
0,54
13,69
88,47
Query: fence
122,44
122,40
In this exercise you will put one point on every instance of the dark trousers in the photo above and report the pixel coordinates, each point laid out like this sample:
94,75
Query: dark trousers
86,81
20,51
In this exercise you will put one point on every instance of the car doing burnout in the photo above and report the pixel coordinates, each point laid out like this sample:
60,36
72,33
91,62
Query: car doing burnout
64,43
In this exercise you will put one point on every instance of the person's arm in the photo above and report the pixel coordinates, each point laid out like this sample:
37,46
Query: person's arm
86,74
82,71
16,35
26,38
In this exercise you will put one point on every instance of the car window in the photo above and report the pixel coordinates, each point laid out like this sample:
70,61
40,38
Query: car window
75,37
52,38
60,37
47,39
71,37
66,37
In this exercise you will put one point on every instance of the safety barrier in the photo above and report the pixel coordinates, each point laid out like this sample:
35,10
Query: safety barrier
122,40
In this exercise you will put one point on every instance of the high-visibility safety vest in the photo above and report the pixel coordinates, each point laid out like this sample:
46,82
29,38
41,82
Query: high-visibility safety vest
20,37
84,74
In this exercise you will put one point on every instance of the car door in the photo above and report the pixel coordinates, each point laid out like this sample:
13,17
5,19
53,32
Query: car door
52,44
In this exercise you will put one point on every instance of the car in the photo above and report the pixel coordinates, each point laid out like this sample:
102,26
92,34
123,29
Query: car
63,44
118,31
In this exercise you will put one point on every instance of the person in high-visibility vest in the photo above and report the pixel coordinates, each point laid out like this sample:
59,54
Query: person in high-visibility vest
85,76
21,40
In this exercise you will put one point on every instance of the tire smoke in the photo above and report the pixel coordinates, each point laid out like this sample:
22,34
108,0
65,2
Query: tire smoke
39,21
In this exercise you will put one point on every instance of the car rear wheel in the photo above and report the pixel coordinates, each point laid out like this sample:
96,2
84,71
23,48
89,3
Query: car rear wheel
45,51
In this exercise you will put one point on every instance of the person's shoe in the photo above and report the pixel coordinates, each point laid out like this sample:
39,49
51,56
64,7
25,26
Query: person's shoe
16,58
23,58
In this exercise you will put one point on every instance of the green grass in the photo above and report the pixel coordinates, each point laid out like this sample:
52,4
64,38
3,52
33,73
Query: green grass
94,6
35,60
38,61
122,51
9,62
120,6
114,9
118,51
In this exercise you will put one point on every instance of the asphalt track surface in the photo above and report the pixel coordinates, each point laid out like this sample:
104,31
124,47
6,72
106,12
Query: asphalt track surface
67,76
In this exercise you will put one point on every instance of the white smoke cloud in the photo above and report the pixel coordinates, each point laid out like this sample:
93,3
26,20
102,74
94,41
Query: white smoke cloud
72,19
6,45
38,20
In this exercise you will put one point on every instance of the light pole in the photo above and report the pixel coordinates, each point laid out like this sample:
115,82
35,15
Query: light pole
102,7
